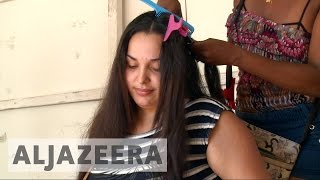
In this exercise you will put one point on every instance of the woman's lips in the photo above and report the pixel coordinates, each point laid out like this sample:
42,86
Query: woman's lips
143,92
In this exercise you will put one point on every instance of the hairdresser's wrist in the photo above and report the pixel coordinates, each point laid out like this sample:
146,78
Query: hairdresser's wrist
238,57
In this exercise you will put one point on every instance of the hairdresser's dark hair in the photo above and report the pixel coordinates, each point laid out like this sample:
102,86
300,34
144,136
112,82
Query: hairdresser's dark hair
180,79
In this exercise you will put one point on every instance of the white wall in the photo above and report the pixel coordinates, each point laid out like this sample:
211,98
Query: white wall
49,45
51,51
55,57
58,121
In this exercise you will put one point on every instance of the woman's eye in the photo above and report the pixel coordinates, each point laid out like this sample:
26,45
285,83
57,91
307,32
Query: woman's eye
157,69
132,66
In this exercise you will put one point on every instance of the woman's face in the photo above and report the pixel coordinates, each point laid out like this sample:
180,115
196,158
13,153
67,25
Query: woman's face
143,69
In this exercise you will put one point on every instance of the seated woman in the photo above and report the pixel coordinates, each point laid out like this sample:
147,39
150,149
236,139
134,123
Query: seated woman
155,91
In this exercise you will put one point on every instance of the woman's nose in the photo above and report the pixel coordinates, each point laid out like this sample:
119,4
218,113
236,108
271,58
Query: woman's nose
143,76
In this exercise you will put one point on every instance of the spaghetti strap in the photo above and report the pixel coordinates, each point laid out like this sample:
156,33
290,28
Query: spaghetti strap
244,6
299,24
304,10
241,5
237,11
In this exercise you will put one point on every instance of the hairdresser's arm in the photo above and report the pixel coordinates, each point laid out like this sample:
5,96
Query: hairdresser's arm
300,78
232,152
172,5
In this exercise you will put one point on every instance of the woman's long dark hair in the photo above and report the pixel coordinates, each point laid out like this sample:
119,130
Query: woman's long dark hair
180,79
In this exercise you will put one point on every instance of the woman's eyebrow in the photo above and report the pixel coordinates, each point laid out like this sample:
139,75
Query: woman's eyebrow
133,58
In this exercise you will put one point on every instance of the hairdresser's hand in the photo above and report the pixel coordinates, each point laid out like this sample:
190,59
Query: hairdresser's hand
172,5
217,52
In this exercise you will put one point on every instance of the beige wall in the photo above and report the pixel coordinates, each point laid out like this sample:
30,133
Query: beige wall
49,51
55,57
49,45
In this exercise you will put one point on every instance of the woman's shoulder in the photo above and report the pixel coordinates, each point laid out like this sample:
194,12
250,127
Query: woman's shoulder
205,109
206,103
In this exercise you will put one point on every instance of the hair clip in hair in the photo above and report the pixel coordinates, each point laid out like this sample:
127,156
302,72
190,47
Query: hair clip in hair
160,10
173,25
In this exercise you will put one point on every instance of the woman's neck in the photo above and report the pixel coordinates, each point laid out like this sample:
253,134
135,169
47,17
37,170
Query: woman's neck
144,121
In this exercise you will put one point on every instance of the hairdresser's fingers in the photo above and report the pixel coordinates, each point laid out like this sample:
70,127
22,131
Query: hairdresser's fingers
216,52
171,5
198,49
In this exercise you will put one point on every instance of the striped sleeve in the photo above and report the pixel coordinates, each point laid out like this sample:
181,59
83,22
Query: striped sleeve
201,117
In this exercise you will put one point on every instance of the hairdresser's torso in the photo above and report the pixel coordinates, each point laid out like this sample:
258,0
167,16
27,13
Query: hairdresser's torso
279,30
284,11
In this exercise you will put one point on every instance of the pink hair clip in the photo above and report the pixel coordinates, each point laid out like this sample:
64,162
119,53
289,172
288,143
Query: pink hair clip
173,25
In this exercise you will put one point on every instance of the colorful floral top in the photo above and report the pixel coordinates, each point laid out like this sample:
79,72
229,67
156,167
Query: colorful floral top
279,42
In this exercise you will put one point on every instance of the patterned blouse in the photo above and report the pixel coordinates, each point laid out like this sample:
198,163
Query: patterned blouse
279,42
201,116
